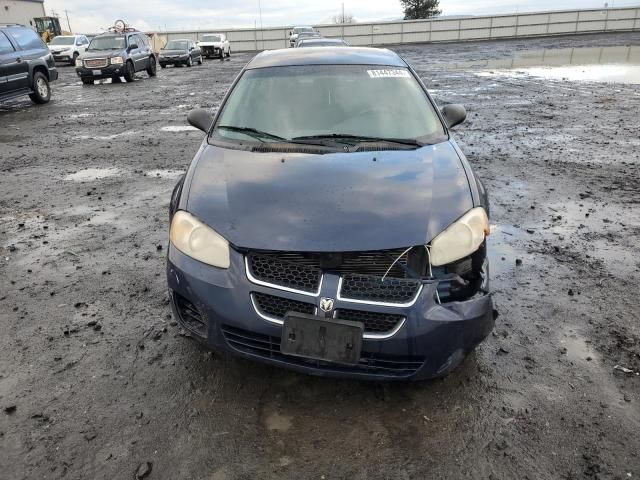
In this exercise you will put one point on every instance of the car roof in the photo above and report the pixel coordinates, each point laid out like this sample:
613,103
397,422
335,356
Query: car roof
326,56
322,40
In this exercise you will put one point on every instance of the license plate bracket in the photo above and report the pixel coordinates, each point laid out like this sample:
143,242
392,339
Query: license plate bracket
96,72
320,338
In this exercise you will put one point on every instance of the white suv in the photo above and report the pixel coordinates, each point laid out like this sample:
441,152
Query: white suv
66,48
215,45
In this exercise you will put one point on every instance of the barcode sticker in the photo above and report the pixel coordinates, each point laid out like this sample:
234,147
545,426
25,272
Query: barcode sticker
395,73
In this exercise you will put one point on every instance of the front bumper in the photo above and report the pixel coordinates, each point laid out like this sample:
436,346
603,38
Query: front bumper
431,342
62,58
105,72
211,51
173,60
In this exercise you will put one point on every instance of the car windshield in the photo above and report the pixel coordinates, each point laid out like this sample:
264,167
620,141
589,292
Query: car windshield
107,43
177,45
302,29
211,38
328,102
63,41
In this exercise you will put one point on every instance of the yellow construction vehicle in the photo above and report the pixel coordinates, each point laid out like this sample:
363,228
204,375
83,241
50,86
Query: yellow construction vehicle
49,27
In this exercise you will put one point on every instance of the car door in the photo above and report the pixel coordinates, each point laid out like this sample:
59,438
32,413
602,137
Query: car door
135,53
14,70
81,44
145,49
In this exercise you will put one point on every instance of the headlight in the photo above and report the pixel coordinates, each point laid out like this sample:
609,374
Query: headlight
194,238
78,62
461,238
117,60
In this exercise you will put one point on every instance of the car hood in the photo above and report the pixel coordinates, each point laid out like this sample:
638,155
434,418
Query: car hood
102,54
60,48
173,52
210,44
331,202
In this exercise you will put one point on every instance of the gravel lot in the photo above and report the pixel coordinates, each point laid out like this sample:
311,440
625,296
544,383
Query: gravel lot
96,379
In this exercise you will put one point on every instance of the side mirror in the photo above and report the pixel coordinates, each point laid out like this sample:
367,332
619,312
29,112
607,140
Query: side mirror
133,46
191,49
453,114
290,32
200,118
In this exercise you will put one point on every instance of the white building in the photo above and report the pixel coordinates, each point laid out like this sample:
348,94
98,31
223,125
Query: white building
21,11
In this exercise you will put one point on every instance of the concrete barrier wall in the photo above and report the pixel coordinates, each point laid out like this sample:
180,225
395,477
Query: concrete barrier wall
539,24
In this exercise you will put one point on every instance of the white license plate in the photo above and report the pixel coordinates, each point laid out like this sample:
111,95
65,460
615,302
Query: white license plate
97,72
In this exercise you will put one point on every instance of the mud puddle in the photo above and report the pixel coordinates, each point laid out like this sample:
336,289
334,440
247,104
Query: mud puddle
178,128
170,174
619,64
90,174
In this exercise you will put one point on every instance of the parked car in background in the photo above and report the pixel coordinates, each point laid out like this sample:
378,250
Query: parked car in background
321,42
306,35
26,65
215,45
295,33
112,55
180,52
348,242
67,48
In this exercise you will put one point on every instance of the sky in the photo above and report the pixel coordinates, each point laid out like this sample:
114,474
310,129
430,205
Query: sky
89,16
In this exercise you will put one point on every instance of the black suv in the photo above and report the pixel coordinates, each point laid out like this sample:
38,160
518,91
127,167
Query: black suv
116,54
26,65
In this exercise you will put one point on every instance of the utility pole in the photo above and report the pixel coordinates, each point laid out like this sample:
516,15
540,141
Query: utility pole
343,12
66,12
261,30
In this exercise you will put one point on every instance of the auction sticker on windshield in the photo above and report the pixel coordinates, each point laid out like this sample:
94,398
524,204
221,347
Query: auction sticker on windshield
396,73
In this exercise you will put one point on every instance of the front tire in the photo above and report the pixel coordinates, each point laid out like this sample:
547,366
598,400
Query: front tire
87,81
229,52
73,59
200,60
153,67
162,65
189,62
129,71
41,89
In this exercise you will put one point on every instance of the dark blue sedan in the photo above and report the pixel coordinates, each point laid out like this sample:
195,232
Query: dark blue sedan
330,224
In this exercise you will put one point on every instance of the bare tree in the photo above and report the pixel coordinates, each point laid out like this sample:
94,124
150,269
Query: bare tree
343,18
416,9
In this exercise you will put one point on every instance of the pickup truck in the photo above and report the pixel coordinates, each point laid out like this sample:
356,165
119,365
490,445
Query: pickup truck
215,45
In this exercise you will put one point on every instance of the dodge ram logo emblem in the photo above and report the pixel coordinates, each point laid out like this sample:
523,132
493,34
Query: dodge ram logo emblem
326,304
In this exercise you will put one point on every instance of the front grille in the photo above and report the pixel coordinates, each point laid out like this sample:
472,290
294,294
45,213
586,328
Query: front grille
190,315
303,271
370,288
96,63
374,322
268,347
286,270
278,307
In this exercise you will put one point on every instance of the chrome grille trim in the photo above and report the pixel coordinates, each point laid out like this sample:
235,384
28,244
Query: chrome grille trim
266,317
365,336
410,303
252,279
96,62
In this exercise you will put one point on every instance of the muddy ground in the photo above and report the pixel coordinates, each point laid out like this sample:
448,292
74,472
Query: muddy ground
96,379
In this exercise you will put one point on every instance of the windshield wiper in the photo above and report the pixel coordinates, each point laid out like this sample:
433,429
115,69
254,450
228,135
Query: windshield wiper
360,139
253,132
